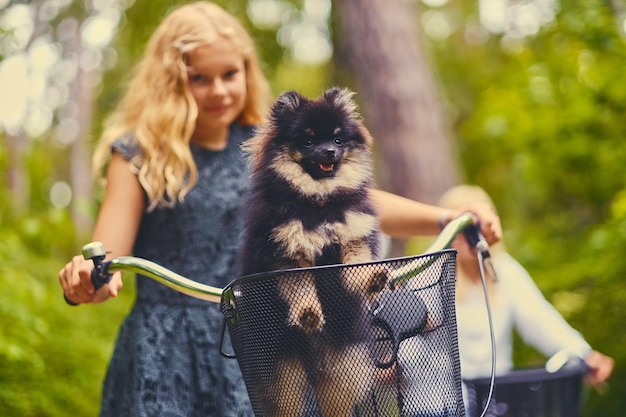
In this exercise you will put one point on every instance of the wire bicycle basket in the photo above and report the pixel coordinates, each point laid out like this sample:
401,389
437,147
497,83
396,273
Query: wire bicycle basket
394,356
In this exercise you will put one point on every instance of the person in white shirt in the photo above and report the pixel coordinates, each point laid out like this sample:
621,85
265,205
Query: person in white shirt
516,303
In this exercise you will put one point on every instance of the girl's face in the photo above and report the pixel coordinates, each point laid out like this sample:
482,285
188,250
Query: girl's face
217,80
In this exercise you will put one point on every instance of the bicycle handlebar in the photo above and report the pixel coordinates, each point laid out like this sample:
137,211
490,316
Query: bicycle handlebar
102,271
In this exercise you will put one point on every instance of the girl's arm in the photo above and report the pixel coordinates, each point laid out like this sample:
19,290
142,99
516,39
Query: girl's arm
541,325
402,217
121,211
116,227
537,321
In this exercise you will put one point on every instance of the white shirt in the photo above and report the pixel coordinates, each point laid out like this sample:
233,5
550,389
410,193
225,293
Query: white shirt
516,303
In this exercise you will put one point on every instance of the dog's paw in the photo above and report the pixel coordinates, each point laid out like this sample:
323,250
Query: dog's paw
311,321
308,318
305,308
367,281
377,282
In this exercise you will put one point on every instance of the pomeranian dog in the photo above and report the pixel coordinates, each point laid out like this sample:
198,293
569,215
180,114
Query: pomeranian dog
309,205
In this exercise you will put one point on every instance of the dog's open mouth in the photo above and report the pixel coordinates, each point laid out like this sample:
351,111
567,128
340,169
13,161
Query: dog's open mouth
321,169
326,167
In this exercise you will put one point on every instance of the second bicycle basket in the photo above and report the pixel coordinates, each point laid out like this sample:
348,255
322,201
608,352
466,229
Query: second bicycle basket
333,341
529,392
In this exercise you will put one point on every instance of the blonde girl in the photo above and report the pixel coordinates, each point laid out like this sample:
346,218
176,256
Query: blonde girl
175,176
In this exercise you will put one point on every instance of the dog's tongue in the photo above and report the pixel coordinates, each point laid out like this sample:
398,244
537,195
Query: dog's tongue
326,167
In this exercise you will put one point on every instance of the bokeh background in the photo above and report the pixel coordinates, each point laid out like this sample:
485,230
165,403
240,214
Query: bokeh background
526,98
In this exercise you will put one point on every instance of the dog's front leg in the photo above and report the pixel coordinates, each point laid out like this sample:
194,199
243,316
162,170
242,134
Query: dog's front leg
305,309
368,280
299,248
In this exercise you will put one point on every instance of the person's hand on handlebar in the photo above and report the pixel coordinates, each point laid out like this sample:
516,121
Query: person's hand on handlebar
75,278
490,226
600,369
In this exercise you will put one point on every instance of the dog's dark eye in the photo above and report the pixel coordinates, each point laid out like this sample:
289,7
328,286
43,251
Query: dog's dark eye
308,143
338,141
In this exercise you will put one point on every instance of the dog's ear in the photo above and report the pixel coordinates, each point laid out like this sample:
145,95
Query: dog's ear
287,103
342,98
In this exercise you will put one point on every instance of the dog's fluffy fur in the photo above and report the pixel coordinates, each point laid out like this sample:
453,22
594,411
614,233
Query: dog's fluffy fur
309,205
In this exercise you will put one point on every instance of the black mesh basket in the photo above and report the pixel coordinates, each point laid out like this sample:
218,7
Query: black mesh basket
327,341
529,393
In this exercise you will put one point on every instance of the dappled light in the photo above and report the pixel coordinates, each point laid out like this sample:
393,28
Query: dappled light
42,61
516,18
60,194
303,32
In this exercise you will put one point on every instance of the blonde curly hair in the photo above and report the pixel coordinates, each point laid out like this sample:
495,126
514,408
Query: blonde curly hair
160,111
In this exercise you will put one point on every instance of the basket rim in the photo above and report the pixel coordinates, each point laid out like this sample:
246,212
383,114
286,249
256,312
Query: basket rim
529,375
253,277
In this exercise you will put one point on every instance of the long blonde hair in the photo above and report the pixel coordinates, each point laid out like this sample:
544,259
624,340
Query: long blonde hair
457,198
160,111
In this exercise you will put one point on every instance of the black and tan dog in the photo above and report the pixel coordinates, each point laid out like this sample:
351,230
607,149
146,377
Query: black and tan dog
309,205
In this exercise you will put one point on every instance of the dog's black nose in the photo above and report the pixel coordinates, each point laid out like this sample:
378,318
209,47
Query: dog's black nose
330,153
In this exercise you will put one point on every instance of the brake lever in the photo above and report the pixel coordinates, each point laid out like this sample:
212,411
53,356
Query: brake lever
475,239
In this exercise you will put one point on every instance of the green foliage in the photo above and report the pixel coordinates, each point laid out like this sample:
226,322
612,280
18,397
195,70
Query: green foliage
604,316
53,355
540,125
306,79
545,116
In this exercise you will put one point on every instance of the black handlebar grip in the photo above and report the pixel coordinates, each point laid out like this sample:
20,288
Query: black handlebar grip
476,240
99,275
68,301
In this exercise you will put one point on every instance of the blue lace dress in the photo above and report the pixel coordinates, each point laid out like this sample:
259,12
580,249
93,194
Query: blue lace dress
166,360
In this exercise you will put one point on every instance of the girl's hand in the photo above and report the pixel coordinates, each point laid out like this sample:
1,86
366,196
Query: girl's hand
75,279
490,226
601,367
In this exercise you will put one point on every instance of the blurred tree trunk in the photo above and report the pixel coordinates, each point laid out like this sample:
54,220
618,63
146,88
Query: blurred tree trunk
379,43
80,154
17,145
16,175
80,157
